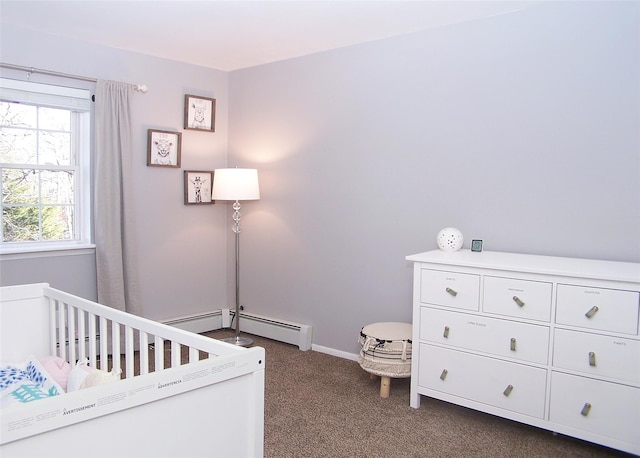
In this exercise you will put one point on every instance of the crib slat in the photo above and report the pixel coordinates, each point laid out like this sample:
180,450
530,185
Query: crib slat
115,345
175,354
129,351
71,320
52,327
93,353
82,336
62,338
144,353
158,343
194,354
104,344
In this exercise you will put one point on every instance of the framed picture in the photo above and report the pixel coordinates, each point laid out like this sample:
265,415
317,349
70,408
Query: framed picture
163,148
199,113
197,187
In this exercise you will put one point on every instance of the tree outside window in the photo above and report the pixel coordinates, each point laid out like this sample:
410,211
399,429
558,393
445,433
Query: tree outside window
39,170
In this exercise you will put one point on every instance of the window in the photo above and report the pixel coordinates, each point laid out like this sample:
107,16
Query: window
44,164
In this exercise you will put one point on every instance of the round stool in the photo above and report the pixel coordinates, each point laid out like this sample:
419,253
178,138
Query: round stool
386,352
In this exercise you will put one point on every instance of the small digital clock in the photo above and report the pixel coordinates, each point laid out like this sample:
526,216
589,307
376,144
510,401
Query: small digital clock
476,245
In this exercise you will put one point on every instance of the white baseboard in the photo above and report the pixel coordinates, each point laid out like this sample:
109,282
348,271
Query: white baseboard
199,323
271,328
334,352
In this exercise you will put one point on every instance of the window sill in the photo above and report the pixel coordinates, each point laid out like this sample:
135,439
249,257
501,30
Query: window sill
43,250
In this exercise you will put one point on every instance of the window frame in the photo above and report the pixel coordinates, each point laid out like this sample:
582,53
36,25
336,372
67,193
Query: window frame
78,100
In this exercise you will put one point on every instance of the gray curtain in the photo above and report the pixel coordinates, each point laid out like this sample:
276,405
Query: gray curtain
113,210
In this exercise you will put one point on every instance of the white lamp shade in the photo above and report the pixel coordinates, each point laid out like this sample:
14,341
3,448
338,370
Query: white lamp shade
235,184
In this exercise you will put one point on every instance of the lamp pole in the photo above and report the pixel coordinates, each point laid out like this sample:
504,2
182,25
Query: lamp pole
237,340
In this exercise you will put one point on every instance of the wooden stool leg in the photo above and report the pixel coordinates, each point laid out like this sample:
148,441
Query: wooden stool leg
385,386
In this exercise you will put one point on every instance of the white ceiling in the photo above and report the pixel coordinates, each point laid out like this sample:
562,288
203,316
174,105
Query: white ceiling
230,35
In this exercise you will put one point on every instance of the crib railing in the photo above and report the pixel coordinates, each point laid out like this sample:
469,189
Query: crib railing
111,339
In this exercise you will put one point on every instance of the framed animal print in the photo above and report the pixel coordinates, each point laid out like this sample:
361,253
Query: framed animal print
163,148
197,187
199,113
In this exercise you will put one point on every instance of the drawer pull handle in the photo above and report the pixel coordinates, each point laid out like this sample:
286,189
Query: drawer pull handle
513,344
585,410
444,374
445,334
452,292
592,359
507,391
518,301
592,311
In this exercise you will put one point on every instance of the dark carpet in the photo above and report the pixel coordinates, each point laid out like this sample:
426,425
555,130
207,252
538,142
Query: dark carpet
317,405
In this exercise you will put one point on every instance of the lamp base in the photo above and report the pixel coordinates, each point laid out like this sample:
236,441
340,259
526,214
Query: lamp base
239,341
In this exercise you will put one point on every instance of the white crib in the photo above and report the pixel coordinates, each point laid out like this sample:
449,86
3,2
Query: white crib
206,399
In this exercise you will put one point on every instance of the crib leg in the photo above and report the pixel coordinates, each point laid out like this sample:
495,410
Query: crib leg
385,386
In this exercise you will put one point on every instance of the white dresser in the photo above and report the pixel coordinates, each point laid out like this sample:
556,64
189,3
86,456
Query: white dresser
548,341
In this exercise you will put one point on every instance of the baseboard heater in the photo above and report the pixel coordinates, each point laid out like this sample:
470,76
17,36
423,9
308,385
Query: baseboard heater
198,323
271,328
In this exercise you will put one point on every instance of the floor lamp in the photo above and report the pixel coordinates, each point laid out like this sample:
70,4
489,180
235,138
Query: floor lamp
236,184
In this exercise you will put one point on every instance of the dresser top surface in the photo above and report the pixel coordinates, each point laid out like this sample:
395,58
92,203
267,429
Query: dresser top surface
549,265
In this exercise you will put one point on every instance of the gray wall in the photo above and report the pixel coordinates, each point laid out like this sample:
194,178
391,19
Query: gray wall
182,249
73,272
522,130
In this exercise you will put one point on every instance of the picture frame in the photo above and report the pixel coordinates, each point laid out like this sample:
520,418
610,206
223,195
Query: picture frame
198,185
164,148
476,245
199,113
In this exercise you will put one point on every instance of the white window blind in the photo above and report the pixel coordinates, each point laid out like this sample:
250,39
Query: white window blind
45,95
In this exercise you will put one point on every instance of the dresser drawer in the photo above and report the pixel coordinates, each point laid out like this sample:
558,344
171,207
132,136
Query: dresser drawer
517,298
450,289
603,408
597,355
526,342
510,386
598,308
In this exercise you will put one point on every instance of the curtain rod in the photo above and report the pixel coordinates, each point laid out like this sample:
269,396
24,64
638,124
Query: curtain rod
138,87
